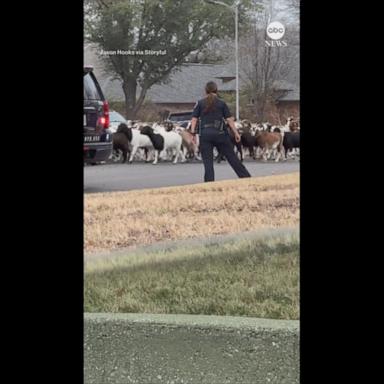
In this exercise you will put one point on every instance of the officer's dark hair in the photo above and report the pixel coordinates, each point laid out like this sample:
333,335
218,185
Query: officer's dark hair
211,91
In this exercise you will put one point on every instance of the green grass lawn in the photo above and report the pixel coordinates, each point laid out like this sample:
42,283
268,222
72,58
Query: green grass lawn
256,277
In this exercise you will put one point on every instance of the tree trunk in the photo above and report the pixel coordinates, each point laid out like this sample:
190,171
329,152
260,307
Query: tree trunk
261,107
140,100
129,89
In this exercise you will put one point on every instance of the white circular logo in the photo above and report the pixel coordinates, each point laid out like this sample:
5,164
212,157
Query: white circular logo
275,30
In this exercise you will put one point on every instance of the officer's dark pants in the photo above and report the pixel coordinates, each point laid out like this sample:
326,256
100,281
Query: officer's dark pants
223,143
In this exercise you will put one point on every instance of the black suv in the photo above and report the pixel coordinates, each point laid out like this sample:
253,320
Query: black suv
182,118
97,138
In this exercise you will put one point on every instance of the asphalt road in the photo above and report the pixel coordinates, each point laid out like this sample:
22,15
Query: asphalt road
125,177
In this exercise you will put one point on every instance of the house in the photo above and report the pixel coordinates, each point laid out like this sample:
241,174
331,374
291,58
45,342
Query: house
289,103
186,84
287,99
183,88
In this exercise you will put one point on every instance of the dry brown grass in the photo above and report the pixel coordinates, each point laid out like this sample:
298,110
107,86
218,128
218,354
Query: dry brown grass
123,219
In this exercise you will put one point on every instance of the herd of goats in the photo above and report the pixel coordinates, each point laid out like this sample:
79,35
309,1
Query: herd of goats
170,141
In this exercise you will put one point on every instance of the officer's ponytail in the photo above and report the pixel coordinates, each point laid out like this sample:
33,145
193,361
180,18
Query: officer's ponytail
211,91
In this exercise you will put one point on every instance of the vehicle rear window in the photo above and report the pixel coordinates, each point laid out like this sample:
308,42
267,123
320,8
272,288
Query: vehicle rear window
181,117
90,89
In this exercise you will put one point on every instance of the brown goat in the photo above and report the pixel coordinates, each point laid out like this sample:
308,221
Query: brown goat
269,141
190,145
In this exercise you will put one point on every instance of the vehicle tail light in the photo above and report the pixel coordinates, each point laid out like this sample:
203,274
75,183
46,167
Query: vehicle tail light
105,118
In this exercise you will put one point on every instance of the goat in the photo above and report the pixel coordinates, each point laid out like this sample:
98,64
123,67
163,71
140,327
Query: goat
190,144
139,141
269,141
248,139
293,126
172,142
121,140
291,141
156,139
169,126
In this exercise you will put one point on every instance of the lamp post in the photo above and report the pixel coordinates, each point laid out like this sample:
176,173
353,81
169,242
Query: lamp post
234,8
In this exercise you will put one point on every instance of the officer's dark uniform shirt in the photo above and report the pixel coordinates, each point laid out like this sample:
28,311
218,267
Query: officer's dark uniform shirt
207,118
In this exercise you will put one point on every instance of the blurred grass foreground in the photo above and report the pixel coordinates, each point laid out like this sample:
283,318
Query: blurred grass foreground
254,275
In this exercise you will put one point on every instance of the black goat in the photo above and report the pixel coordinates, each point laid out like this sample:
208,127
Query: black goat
156,139
121,140
291,140
250,142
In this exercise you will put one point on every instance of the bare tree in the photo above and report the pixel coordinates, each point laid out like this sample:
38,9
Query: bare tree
262,65
295,4
291,7
175,28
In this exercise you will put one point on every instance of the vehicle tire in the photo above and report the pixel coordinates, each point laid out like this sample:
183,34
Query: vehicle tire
117,156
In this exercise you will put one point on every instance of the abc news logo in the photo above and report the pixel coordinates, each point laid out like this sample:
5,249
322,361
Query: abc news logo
275,32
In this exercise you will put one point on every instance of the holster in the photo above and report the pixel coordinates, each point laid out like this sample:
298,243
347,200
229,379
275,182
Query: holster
219,125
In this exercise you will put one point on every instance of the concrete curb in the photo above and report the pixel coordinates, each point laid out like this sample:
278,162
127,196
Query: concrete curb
146,349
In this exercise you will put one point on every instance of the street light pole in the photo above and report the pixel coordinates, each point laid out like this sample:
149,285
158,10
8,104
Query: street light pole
237,58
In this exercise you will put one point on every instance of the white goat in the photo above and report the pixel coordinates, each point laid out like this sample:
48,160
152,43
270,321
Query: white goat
139,141
172,143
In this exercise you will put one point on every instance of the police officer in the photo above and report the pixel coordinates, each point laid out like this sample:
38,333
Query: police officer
212,132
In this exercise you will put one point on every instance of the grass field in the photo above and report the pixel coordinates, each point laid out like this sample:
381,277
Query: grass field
253,276
127,219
